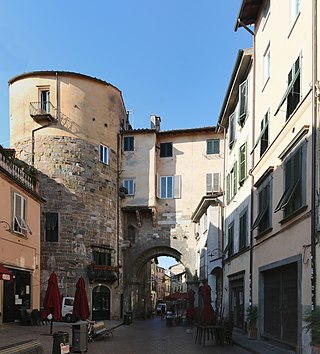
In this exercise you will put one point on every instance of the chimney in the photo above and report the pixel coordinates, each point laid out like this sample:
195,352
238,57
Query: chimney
155,122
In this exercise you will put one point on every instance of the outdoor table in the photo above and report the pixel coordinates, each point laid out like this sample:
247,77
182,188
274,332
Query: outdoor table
206,332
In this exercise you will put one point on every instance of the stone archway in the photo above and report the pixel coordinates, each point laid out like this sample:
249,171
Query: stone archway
134,287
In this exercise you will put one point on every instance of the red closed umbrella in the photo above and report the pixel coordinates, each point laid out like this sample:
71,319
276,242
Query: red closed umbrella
207,315
80,305
190,308
52,300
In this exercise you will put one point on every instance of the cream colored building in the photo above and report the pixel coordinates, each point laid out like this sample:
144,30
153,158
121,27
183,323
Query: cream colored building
19,238
285,181
165,173
236,121
67,125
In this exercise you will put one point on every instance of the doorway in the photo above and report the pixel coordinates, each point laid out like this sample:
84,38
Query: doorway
100,303
281,303
237,302
16,295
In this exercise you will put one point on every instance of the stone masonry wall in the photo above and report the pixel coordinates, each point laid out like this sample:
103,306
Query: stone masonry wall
84,193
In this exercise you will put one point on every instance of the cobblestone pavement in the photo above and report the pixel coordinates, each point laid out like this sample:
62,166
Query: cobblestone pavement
141,337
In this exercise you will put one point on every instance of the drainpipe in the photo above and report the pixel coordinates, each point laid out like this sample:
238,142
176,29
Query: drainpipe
252,165
118,206
314,187
33,141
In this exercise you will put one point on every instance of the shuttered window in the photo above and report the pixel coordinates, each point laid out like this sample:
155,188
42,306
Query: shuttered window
212,183
170,187
242,163
243,102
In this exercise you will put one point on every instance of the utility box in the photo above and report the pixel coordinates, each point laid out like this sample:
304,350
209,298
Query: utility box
79,337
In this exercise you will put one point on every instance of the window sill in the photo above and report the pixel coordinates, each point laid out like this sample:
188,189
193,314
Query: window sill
263,233
293,214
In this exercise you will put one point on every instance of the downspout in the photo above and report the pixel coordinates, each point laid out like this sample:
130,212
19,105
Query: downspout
314,206
118,206
251,176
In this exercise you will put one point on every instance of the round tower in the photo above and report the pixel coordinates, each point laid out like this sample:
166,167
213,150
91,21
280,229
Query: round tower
67,126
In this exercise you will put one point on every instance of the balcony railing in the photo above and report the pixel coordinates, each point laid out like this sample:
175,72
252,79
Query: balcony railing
42,111
102,273
19,173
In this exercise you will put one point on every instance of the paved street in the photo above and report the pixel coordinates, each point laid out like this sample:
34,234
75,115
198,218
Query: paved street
150,336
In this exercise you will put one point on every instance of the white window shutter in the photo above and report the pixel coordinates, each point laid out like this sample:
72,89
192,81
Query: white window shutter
209,185
216,182
158,185
177,186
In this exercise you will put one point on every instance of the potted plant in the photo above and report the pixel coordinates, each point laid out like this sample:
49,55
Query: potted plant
252,315
312,318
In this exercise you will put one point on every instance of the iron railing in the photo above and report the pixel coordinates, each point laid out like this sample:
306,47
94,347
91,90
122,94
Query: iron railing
17,172
42,110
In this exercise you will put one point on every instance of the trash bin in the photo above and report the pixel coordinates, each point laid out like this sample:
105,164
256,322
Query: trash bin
60,343
126,319
129,313
79,337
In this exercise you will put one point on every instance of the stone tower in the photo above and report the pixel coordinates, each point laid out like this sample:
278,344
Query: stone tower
68,126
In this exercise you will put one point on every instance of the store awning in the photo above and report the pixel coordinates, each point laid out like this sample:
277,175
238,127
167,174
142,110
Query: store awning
177,296
5,274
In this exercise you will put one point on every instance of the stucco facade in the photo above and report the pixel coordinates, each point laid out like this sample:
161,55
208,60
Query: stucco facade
283,203
19,238
168,170
74,143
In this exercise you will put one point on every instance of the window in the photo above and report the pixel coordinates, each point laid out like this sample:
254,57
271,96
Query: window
51,227
212,183
234,178
295,10
19,215
213,146
165,149
266,65
231,130
229,247
243,102
243,229
293,97
129,185
232,183
104,154
293,91
228,194
263,219
128,143
102,258
242,162
45,100
170,187
263,137
293,197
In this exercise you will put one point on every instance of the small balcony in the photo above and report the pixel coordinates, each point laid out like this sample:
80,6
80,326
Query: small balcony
42,112
107,274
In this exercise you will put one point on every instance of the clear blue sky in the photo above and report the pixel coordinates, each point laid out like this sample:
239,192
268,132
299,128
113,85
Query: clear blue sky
172,58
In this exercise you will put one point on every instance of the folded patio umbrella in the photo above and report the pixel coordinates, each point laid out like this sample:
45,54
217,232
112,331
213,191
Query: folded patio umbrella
80,305
52,300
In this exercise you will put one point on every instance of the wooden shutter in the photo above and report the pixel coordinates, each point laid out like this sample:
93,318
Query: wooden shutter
177,186
209,183
216,182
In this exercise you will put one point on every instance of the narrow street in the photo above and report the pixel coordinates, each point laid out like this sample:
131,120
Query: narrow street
153,337
142,337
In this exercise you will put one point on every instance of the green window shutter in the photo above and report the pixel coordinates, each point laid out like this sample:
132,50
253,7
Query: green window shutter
235,174
243,162
228,189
